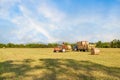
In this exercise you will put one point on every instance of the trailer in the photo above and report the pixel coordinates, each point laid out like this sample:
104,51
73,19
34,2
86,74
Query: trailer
81,46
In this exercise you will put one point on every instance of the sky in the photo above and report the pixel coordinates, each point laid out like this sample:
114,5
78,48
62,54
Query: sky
47,21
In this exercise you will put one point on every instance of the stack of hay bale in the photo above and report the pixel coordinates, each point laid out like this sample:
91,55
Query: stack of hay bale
83,45
95,51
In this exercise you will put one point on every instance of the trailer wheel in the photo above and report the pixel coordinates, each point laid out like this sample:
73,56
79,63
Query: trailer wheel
83,50
80,49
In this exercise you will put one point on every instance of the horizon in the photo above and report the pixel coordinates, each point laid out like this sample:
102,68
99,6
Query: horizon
49,21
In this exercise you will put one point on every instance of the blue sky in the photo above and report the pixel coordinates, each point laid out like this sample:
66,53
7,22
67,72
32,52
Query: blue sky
27,21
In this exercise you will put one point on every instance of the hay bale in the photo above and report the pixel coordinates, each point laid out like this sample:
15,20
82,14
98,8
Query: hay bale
95,51
83,45
4,47
69,47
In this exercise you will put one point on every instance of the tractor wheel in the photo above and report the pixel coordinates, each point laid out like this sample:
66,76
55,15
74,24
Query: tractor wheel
63,50
75,49
57,51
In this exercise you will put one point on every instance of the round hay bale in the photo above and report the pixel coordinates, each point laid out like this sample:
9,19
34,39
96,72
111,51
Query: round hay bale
95,51
69,47
3,47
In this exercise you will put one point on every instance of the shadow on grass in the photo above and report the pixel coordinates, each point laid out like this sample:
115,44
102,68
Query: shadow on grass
56,69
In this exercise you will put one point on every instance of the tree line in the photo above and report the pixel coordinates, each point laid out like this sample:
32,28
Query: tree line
113,44
30,45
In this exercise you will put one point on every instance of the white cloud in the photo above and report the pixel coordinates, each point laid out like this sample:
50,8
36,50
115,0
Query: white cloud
107,23
26,23
51,12
58,26
5,6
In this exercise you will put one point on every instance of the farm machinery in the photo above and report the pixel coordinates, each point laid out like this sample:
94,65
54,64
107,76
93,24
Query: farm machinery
79,46
83,46
62,48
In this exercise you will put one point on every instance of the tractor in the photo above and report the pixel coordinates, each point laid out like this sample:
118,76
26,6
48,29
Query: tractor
62,48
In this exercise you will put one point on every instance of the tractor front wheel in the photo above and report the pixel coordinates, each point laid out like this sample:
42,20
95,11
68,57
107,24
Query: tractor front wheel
63,50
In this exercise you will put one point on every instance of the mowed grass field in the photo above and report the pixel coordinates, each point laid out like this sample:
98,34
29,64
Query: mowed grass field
43,64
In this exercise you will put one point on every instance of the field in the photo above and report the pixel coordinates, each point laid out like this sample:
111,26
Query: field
43,64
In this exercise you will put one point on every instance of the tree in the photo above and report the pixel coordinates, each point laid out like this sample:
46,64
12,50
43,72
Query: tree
51,45
99,44
115,43
2,45
11,45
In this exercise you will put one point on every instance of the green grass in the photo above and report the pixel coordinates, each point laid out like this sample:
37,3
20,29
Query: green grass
43,64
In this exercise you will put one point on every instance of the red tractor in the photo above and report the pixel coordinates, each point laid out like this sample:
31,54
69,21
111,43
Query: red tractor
62,48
